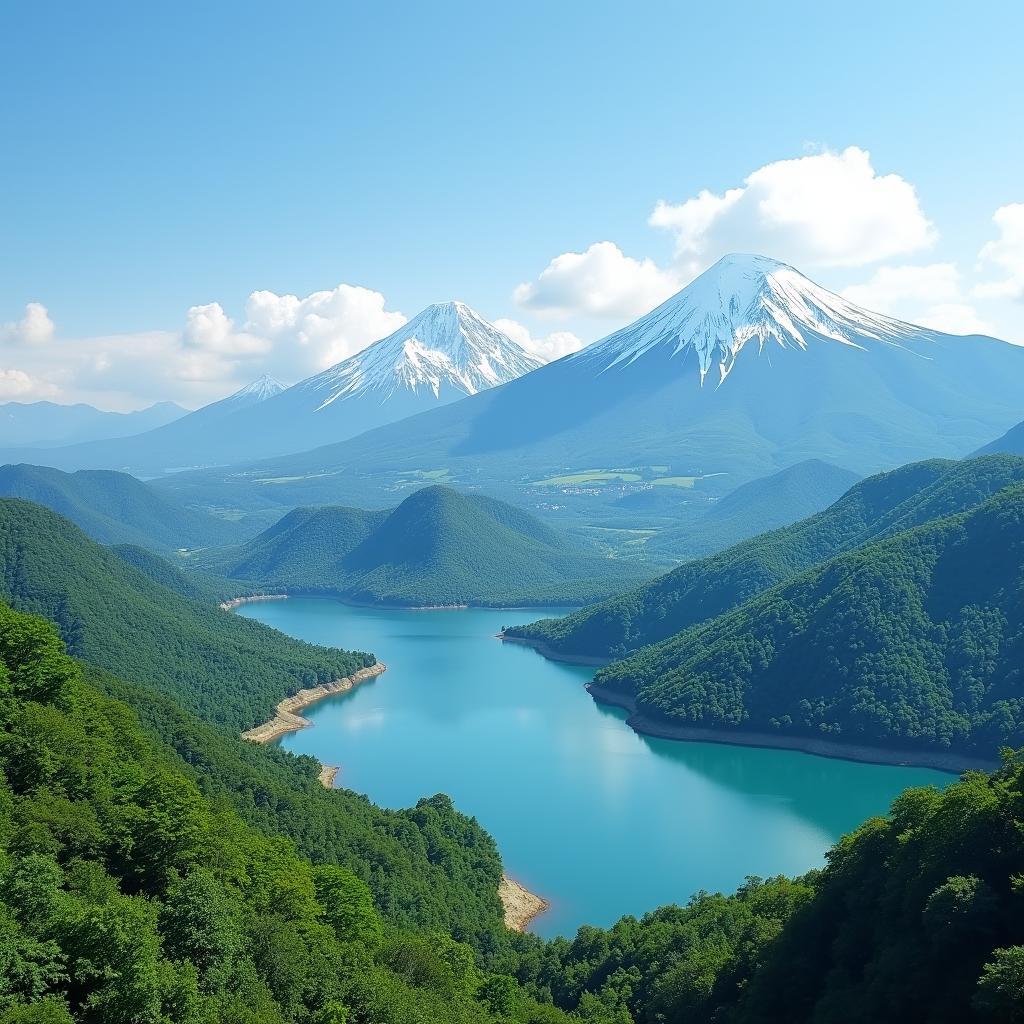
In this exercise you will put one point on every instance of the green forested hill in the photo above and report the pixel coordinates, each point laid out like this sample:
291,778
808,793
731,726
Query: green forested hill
764,504
115,508
197,585
918,918
228,669
876,507
916,641
437,547
129,896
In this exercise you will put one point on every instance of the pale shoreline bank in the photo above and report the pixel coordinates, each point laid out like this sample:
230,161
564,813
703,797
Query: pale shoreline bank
646,726
286,718
237,602
522,907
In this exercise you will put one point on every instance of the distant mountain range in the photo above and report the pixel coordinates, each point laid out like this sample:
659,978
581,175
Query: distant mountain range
438,547
445,353
764,504
748,370
1011,443
49,424
892,618
877,507
115,508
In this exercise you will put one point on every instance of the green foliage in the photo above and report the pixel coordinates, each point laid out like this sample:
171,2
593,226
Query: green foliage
228,669
877,507
914,641
171,909
439,547
115,508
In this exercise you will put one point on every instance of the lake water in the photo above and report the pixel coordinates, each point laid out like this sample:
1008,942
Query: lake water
597,819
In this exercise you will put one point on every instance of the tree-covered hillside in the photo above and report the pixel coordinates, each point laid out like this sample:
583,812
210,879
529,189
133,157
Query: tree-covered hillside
918,918
756,507
229,669
879,506
916,641
438,547
115,508
127,896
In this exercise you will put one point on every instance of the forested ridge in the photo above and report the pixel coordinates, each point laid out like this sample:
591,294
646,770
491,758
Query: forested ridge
156,869
913,641
879,506
438,547
131,892
228,669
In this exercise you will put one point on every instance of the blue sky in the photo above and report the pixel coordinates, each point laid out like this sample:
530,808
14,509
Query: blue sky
159,158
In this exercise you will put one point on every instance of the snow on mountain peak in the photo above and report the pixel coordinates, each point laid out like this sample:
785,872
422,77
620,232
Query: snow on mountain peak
447,346
745,299
258,390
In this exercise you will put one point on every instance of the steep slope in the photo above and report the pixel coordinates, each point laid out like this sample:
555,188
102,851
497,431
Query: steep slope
443,354
757,507
195,584
1011,443
913,642
877,507
45,424
749,369
115,508
228,669
437,547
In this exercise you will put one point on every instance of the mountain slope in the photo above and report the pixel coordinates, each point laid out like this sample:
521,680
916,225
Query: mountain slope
876,507
438,547
115,508
749,369
764,504
1011,443
226,668
911,642
45,424
187,441
443,354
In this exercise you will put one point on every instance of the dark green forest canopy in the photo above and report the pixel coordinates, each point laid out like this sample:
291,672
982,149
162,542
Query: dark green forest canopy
128,896
438,547
230,670
914,641
877,507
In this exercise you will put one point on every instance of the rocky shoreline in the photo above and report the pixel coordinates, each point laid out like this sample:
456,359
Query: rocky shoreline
521,905
237,602
660,729
287,719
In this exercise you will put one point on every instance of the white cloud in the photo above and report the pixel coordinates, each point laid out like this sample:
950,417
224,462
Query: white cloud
602,282
889,287
323,328
1005,255
550,347
931,295
209,357
18,384
34,328
829,209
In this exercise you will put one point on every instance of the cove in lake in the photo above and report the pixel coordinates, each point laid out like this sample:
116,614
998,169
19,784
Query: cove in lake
588,814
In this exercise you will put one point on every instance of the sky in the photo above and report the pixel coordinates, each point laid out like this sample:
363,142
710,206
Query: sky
193,194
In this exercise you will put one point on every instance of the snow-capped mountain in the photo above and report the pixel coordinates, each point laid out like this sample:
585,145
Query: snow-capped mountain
259,390
445,353
749,369
446,349
746,300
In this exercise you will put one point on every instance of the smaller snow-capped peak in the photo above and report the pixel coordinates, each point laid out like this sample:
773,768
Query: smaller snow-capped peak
446,347
746,299
259,390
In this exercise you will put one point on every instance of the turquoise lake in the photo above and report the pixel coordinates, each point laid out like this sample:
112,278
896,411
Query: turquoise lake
597,819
